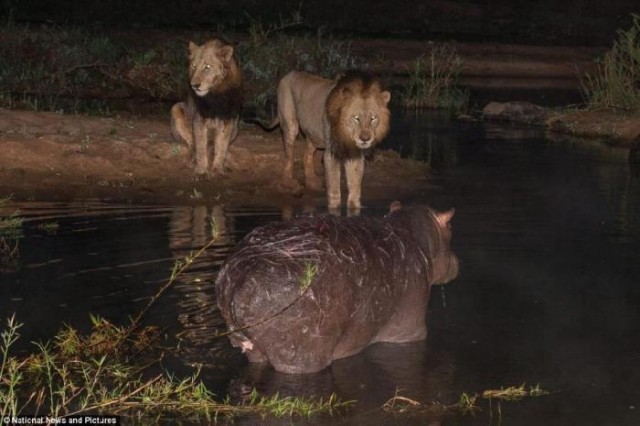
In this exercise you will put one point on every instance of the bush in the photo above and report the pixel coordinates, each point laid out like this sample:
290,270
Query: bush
69,69
433,82
617,81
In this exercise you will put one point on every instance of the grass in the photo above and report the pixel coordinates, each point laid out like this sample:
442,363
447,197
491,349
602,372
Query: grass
433,81
270,53
10,234
616,84
48,67
107,371
308,274
466,404
79,70
10,223
50,228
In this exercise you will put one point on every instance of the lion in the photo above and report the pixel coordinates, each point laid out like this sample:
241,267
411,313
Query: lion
347,117
213,105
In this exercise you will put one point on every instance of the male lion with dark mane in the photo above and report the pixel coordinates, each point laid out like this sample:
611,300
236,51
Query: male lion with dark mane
347,117
212,107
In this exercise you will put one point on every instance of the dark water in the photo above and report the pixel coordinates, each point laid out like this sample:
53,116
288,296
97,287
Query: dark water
547,231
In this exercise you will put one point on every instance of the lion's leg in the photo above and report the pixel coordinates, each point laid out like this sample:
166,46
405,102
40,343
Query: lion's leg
180,126
312,180
200,151
225,133
289,129
354,171
332,178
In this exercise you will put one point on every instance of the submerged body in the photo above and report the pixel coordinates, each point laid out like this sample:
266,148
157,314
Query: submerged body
302,293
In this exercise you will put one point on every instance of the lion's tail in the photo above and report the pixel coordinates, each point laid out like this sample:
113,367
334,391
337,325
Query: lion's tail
266,127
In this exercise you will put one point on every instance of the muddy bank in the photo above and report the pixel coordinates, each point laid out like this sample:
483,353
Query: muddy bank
612,126
62,157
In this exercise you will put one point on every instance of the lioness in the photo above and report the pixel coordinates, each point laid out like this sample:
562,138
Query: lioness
347,117
212,107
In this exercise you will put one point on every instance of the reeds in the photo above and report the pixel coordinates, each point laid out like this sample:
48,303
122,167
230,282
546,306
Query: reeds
616,83
433,81
11,222
107,371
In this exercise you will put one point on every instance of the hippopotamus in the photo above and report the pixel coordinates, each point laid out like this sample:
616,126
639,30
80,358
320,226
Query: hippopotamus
302,293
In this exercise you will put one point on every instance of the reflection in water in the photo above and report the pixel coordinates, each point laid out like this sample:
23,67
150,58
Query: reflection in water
547,229
371,378
198,321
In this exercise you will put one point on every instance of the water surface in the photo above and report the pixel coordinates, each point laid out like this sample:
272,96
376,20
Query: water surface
547,231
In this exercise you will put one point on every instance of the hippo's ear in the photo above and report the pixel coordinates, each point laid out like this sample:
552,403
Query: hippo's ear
395,206
443,218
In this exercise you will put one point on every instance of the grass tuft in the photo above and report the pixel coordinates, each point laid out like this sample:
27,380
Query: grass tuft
616,84
11,223
433,81
107,371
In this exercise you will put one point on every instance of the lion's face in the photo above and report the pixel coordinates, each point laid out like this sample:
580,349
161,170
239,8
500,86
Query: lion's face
366,120
359,115
209,67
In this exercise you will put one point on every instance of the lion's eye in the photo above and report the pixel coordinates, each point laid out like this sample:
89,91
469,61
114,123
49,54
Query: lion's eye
374,118
207,67
356,118
193,65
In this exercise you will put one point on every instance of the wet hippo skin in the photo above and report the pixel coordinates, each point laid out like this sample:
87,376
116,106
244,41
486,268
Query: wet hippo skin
302,293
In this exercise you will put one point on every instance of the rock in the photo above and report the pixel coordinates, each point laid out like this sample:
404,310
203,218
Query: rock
520,112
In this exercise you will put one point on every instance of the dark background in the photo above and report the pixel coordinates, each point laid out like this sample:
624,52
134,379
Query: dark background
569,22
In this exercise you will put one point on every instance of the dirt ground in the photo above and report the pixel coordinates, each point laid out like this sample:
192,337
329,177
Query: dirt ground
48,156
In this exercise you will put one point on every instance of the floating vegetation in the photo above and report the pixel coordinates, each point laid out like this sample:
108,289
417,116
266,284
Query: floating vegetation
467,403
50,228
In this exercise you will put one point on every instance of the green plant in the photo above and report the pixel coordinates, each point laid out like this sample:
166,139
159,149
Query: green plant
433,81
10,375
309,273
49,227
104,372
616,83
466,404
10,224
268,54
